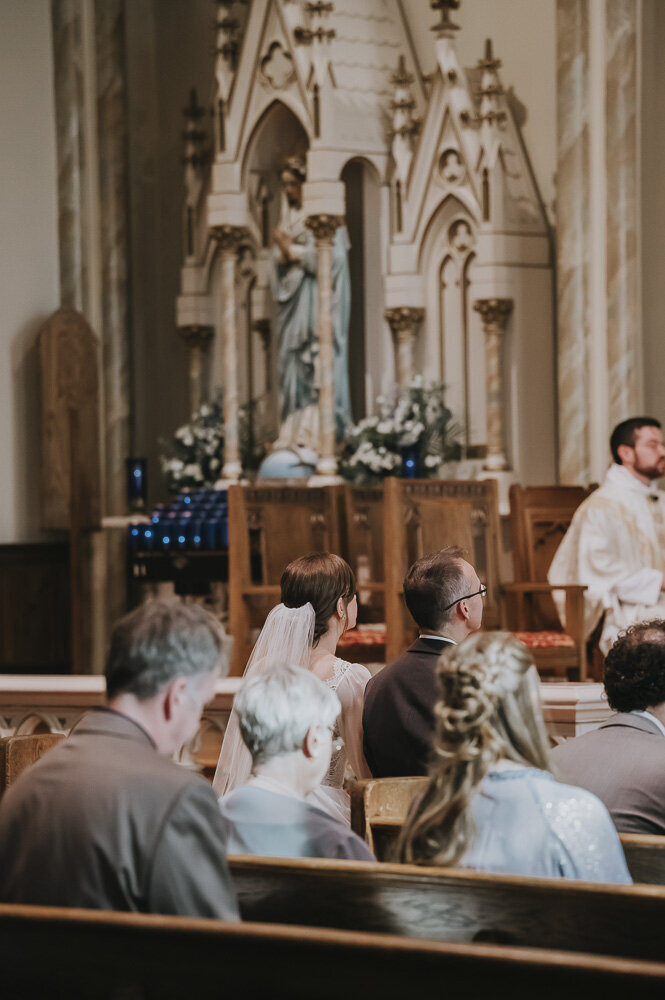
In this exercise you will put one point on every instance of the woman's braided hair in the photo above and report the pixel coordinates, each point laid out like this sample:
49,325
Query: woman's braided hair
488,710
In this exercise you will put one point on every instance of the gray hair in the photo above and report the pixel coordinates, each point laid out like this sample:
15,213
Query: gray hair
276,709
159,641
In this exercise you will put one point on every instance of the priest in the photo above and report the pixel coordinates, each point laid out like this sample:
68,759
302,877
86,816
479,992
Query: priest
616,541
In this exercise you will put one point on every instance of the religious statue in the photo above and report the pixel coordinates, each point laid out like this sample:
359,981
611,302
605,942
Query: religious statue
294,286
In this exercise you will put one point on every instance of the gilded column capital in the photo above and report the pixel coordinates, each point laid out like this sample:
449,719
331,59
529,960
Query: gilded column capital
230,238
404,319
196,335
494,312
324,226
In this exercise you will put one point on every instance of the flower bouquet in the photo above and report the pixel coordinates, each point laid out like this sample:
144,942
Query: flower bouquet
194,457
413,420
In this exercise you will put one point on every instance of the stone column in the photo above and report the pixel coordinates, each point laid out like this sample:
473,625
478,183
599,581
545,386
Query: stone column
230,239
494,314
323,227
404,322
197,339
624,362
573,236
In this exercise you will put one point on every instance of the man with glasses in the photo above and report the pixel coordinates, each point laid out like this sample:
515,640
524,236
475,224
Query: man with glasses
445,599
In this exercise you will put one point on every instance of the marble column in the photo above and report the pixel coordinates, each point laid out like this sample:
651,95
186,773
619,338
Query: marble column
323,227
623,211
229,239
404,322
197,339
494,314
573,237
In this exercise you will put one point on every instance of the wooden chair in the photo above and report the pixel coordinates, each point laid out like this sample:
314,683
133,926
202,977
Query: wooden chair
453,904
19,752
269,526
645,856
376,802
539,518
361,539
55,952
422,515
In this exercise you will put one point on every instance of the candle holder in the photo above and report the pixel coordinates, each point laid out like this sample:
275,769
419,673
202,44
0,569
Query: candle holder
136,483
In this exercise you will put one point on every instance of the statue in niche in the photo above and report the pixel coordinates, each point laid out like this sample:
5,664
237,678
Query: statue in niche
294,286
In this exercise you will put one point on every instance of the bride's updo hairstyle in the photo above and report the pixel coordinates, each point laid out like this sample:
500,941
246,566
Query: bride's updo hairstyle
320,578
489,709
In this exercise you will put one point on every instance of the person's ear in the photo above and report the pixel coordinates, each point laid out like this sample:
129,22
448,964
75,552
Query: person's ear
341,610
173,696
625,453
311,745
463,610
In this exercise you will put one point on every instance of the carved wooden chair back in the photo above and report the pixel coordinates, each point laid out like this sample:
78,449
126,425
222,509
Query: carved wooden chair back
424,515
539,518
19,752
269,526
379,802
362,546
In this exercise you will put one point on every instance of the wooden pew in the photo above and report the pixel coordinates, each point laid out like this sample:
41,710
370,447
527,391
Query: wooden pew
451,904
19,752
645,856
86,953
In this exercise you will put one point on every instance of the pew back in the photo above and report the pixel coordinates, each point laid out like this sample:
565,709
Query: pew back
19,752
85,953
453,905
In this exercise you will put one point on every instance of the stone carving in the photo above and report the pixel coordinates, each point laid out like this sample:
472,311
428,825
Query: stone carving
460,236
494,314
277,68
451,167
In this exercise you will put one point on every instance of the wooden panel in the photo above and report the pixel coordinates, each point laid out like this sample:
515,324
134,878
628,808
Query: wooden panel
454,905
53,952
34,608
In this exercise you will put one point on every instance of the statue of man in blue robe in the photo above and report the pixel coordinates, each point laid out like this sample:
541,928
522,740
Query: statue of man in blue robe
294,286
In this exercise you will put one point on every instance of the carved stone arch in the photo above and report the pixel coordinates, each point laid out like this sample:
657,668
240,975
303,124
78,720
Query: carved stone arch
290,110
370,162
452,208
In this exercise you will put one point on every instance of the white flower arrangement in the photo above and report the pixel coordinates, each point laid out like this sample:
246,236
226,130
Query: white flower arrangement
194,456
413,416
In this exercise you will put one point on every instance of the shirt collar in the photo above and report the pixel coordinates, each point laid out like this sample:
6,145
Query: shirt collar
651,718
617,475
438,638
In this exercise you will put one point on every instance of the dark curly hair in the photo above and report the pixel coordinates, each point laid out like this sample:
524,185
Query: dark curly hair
635,667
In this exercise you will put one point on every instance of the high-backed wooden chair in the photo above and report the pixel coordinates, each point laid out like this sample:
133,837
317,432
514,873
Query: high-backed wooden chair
539,518
361,538
19,752
269,526
422,515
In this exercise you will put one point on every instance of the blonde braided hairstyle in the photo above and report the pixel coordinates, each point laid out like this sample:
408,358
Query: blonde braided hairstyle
489,709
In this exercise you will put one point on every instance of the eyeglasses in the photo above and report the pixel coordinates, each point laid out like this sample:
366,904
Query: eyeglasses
477,593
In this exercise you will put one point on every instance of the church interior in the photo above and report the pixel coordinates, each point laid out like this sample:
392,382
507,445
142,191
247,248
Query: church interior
369,277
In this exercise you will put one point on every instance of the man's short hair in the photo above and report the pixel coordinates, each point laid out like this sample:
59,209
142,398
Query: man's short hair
635,667
626,433
276,709
159,641
432,584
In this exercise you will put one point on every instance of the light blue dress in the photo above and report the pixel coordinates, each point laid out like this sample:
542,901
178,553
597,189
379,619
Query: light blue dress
529,824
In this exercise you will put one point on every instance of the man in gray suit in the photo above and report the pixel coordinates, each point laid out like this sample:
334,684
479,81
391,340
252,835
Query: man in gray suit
106,819
623,761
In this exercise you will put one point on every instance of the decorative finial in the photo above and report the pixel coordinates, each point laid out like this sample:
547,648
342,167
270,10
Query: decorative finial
401,77
489,62
444,7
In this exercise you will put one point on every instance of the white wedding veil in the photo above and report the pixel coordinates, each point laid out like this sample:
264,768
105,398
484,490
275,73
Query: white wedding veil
286,637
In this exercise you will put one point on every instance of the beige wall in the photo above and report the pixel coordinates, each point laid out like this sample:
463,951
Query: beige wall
29,256
523,34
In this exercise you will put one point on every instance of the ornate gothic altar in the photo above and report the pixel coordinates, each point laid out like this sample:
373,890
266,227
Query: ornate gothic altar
450,259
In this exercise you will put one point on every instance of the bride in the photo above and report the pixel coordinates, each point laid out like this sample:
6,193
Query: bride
318,605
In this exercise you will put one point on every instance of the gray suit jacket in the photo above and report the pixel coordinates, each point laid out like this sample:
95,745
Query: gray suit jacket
623,763
104,821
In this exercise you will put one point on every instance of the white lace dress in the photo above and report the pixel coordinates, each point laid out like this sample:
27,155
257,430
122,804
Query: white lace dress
348,681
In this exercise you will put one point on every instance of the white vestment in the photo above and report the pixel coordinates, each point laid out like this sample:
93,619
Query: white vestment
616,546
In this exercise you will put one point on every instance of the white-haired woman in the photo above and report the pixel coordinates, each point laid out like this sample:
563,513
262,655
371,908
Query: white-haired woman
491,803
286,718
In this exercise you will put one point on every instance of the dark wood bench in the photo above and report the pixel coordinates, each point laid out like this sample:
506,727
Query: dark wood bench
454,905
86,953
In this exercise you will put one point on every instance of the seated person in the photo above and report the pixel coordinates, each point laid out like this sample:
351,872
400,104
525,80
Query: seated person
445,599
106,820
623,761
286,717
491,803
